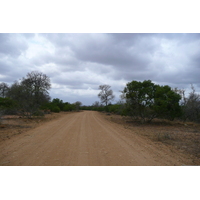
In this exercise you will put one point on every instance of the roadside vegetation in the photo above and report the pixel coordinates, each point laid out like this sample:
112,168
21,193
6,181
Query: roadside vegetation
146,101
29,98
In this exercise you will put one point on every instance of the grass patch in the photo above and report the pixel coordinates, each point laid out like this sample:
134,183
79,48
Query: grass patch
182,136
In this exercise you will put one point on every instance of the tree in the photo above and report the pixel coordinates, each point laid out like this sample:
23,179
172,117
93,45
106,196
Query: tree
59,103
106,94
147,101
96,104
67,107
30,93
191,106
3,89
6,106
56,109
38,85
140,99
77,105
166,103
23,98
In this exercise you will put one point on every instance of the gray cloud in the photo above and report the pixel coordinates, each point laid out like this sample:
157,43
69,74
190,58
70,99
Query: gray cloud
12,44
78,63
109,50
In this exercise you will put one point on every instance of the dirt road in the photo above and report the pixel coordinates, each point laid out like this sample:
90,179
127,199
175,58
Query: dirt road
84,139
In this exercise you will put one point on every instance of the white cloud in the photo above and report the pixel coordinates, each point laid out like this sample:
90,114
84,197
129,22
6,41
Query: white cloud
39,46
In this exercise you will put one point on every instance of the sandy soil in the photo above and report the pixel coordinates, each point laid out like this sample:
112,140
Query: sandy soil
86,139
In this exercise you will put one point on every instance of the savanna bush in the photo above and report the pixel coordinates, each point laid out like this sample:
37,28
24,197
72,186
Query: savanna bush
56,109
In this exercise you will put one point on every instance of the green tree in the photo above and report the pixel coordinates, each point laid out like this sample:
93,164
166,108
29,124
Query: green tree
58,102
22,96
115,108
6,105
140,99
56,109
166,103
147,100
67,107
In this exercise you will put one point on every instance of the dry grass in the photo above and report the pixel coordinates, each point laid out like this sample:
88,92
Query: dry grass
184,137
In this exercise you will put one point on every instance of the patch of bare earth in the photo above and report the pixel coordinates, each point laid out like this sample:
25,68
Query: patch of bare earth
178,136
89,138
12,125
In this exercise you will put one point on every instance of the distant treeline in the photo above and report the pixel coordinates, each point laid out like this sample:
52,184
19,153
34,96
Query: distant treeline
140,100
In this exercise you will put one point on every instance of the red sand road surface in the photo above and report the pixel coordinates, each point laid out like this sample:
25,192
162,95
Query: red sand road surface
85,139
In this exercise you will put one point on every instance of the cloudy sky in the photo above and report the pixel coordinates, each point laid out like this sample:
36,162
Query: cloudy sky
78,63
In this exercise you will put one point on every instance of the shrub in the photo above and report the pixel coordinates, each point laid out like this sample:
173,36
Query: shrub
56,109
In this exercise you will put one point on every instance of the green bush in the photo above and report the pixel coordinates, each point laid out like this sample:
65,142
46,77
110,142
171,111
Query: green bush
56,109
114,109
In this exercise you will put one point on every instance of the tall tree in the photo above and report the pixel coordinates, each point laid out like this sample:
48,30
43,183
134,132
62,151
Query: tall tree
30,93
38,84
106,94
